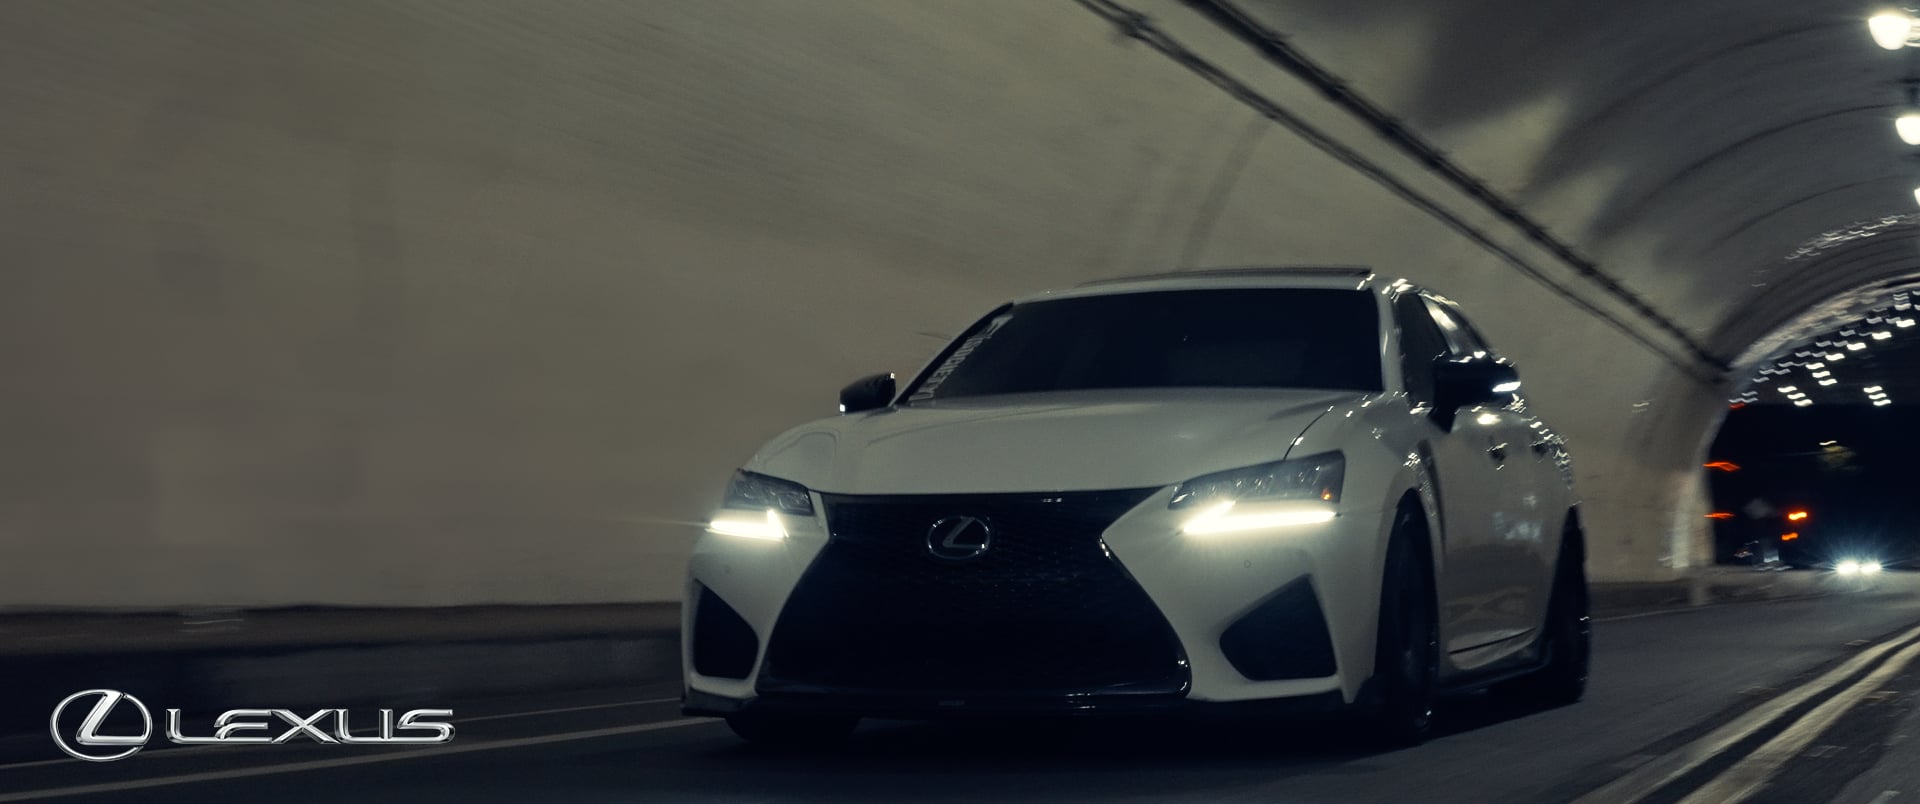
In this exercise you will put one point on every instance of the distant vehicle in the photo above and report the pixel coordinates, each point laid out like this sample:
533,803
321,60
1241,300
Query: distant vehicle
1309,488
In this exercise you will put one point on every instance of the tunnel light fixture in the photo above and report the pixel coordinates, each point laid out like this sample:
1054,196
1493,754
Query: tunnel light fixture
1872,389
1788,389
1836,357
1909,127
1903,323
1882,335
1855,346
1828,381
1816,365
1891,29
1881,403
1801,403
1822,373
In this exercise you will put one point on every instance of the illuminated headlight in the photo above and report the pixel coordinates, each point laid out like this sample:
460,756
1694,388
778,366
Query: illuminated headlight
1853,567
1303,491
1869,567
754,504
745,524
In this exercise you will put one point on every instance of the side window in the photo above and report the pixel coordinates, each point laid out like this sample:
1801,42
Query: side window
1462,341
1420,343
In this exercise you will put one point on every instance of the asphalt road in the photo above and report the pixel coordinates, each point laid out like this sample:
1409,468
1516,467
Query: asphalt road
1792,701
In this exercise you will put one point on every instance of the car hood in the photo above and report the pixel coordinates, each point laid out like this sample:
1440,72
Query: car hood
1056,441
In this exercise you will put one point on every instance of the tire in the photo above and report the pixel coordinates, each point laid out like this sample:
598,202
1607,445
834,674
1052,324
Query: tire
1567,638
792,730
1407,647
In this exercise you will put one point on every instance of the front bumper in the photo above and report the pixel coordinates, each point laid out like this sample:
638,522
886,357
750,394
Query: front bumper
935,707
859,623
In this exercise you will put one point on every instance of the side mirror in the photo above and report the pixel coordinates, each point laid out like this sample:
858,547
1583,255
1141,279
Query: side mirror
867,393
1464,383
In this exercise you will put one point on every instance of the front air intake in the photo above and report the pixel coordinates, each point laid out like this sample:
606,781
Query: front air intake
724,646
1283,637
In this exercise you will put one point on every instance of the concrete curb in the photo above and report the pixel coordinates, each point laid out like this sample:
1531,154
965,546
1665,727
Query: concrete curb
1708,589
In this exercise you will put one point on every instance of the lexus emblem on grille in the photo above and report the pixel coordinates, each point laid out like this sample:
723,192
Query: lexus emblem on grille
958,538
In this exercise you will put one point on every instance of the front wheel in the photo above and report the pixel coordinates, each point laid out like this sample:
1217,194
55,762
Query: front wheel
1407,653
792,730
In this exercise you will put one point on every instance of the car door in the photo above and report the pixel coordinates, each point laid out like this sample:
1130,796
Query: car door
1466,483
1519,581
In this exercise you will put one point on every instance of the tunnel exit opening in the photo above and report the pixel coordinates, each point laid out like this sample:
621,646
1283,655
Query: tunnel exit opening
1807,468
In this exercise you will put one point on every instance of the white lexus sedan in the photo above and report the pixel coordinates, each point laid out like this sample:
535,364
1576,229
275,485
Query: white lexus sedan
1302,489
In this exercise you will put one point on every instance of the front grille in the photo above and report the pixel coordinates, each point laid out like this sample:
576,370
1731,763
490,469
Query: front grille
1045,610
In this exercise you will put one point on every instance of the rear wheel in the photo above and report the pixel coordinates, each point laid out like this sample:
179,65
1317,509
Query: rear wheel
1567,639
792,730
1407,652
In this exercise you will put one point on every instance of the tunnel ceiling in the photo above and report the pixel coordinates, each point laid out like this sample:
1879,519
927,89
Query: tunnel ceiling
1873,360
1734,162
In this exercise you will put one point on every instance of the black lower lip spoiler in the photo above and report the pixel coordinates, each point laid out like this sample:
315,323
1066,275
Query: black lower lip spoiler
943,706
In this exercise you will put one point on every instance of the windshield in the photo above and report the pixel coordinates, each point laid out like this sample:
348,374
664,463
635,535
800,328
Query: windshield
1238,338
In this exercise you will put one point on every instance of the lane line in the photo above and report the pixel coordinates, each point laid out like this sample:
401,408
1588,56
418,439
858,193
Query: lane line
347,762
1884,797
1754,770
1654,775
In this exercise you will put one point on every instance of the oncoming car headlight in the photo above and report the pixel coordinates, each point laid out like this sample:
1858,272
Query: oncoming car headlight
1865,566
754,503
1301,491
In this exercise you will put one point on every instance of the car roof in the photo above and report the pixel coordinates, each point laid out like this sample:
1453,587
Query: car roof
1342,277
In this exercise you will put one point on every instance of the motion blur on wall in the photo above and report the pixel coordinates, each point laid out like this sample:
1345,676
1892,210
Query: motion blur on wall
427,303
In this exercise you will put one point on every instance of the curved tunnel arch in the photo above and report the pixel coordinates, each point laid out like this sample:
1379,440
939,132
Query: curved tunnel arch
618,246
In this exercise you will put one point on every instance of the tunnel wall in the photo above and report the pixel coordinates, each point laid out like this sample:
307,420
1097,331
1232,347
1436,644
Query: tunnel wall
475,302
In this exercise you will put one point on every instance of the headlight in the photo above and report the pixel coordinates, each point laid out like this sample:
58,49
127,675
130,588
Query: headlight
1297,492
755,492
1316,478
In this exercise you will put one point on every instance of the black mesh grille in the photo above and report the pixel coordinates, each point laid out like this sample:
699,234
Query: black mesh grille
723,643
1046,609
1283,637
